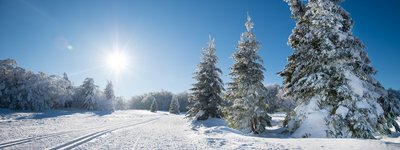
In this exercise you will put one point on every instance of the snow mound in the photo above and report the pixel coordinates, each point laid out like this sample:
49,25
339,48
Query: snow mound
212,125
313,125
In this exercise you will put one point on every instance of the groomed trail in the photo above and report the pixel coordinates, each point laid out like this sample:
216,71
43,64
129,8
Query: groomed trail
87,130
140,129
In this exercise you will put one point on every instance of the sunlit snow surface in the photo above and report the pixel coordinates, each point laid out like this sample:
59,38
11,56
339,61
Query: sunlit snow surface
140,129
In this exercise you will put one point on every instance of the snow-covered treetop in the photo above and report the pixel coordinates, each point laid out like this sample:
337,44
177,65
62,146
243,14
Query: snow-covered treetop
65,76
8,62
211,42
208,53
298,7
249,24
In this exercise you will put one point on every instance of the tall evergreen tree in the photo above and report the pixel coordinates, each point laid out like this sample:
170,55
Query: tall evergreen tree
247,108
330,76
174,106
205,99
154,105
88,90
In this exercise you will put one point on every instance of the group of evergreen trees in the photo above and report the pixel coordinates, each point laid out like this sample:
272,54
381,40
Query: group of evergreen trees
328,75
245,107
173,107
166,101
25,90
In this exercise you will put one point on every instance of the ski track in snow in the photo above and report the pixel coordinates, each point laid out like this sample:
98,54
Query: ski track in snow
39,137
136,129
94,133
22,141
49,132
91,136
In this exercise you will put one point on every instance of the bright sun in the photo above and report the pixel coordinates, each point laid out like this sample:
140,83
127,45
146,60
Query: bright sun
117,61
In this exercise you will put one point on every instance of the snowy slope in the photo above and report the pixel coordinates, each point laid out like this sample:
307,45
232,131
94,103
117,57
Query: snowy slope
137,129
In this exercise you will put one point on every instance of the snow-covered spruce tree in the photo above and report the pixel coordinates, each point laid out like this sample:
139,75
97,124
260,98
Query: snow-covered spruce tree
174,106
330,76
183,99
247,108
89,94
154,105
205,99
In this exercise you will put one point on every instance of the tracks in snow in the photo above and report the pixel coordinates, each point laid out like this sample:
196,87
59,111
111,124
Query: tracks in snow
78,141
86,138
26,140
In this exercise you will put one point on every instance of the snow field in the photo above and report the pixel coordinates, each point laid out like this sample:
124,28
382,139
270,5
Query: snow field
140,129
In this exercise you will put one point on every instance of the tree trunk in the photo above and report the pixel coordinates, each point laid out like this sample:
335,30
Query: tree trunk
254,125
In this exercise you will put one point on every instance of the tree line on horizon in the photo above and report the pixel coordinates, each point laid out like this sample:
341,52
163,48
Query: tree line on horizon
22,89
25,90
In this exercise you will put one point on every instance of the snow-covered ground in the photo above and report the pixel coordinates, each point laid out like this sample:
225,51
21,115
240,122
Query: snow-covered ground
138,129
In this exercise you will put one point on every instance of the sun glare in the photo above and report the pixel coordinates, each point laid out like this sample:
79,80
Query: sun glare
117,61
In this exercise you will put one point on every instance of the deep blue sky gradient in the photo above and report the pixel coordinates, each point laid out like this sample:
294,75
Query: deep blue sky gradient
163,39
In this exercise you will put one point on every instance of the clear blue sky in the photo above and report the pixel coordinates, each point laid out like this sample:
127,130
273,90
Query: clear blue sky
163,38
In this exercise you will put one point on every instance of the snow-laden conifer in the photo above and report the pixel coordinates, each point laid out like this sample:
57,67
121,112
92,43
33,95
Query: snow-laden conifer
89,90
174,105
330,76
247,108
205,99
